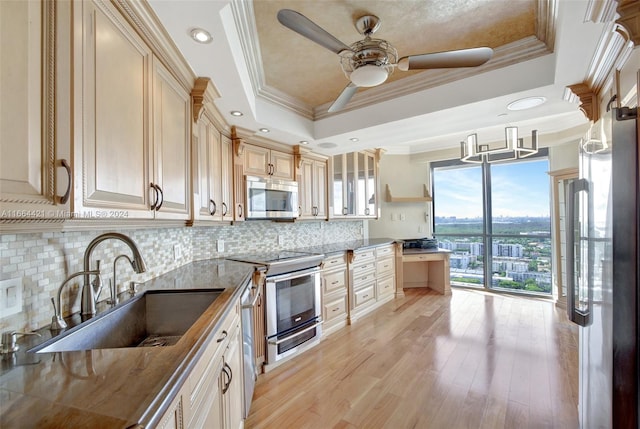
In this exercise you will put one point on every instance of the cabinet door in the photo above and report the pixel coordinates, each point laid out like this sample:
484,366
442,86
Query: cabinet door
112,104
256,160
281,165
171,121
234,395
320,189
306,189
202,162
371,186
338,163
32,102
226,182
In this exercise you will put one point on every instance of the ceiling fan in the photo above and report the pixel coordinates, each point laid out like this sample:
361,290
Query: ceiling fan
369,62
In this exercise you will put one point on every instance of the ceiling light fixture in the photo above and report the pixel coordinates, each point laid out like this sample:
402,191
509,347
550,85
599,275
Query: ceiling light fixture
304,142
264,130
200,35
526,103
513,148
354,139
236,113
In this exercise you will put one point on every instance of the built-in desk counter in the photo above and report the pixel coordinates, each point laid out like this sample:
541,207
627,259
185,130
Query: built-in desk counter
425,268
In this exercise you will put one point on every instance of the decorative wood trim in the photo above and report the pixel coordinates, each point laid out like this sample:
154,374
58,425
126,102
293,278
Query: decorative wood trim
238,143
49,96
563,173
588,100
425,198
629,11
203,95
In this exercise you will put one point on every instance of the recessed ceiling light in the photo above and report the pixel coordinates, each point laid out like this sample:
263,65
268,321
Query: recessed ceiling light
304,142
354,139
328,145
264,130
200,35
236,113
526,103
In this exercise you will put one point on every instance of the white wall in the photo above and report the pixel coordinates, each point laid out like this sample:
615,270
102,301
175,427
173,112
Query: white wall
406,177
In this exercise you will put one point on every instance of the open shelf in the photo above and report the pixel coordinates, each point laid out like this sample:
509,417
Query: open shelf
425,198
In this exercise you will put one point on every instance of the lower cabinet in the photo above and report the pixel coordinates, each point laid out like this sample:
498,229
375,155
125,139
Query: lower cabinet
335,301
212,397
371,279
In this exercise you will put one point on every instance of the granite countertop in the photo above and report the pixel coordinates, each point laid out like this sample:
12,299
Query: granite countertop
344,246
109,388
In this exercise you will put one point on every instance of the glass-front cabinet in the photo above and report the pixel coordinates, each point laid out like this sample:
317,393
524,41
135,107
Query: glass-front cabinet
354,187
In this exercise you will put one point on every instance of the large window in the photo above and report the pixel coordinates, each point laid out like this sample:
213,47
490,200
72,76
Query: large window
495,219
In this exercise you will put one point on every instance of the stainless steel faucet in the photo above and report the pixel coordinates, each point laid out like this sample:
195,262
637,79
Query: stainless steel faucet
88,303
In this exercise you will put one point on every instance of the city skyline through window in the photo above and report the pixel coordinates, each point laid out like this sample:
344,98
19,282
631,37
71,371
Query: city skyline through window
511,250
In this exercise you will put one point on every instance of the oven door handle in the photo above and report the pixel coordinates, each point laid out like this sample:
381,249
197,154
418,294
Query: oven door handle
293,275
287,338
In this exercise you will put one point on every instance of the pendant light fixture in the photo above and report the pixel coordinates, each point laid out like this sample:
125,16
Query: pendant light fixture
513,148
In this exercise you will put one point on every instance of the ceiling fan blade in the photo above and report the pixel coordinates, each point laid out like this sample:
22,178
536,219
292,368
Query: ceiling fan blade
343,98
312,31
440,60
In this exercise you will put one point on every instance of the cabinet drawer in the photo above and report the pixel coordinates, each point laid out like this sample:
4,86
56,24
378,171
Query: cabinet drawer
385,266
334,281
363,279
364,295
425,257
218,342
385,286
384,251
335,309
360,269
363,256
335,261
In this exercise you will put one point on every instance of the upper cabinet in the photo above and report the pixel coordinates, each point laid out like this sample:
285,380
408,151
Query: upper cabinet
132,119
355,185
312,187
35,170
261,161
212,158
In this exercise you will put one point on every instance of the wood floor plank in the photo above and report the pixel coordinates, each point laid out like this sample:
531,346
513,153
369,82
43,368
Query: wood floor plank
470,360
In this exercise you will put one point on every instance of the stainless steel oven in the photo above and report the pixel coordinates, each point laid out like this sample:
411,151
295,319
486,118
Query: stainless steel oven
294,316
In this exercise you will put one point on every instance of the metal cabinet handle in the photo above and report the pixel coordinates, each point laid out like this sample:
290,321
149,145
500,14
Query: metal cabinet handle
240,210
229,374
155,202
212,211
63,163
224,335
161,197
344,211
224,209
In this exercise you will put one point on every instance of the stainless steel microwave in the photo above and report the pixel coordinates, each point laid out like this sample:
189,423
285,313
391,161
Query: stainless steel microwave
271,198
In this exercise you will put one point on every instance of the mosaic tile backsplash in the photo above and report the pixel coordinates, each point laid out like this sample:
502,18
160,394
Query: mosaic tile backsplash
44,260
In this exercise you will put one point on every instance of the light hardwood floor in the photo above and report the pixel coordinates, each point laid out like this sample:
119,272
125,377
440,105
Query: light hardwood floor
471,360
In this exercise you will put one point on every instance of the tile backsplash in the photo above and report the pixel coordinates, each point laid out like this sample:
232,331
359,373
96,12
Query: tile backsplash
44,260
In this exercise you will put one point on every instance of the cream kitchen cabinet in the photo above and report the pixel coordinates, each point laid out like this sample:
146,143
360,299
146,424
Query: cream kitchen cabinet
262,161
213,394
132,117
335,298
312,188
354,185
371,279
35,159
212,159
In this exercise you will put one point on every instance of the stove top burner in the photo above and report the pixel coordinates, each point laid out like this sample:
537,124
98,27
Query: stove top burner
283,261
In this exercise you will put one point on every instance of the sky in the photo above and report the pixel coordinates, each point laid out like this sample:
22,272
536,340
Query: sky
518,189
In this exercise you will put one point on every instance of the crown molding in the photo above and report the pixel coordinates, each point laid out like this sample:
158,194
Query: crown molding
629,11
588,99
528,48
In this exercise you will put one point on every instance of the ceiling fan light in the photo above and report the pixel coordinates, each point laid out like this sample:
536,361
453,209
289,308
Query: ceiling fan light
368,75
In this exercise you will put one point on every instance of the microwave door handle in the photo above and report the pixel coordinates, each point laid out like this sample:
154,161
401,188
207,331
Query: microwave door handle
575,315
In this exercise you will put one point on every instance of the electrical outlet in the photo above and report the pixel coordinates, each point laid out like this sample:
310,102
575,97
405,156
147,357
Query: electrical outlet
177,252
10,297
402,216
280,240
220,246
